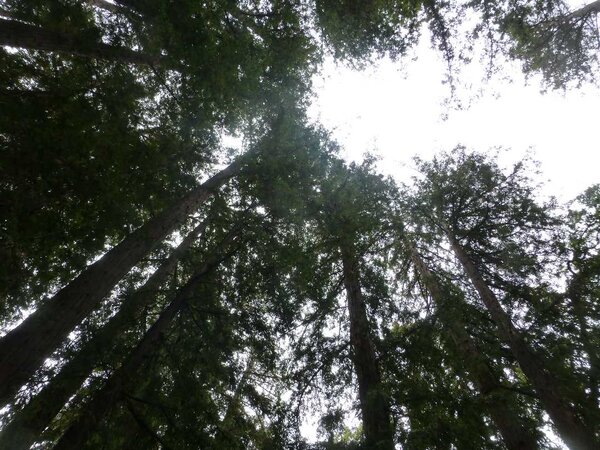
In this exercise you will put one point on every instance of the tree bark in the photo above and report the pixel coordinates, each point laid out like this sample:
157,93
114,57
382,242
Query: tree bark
24,349
29,423
514,435
570,427
106,397
22,35
374,404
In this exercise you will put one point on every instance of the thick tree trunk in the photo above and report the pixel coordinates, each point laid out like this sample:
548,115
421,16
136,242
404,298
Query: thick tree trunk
29,423
514,435
111,393
374,405
24,349
570,427
22,35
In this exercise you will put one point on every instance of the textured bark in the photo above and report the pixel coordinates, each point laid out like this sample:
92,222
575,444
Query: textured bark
514,435
24,349
30,422
374,404
570,427
22,35
125,376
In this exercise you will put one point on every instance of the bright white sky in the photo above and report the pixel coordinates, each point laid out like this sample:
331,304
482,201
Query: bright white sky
396,110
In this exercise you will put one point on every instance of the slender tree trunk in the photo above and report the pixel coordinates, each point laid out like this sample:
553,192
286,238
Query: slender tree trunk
584,11
114,8
579,310
576,294
226,432
111,393
24,349
570,427
514,434
22,35
374,405
29,423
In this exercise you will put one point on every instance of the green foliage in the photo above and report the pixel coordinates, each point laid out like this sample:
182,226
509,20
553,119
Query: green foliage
91,148
357,30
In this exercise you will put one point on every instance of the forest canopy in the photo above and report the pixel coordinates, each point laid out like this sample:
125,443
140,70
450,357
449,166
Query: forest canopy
160,290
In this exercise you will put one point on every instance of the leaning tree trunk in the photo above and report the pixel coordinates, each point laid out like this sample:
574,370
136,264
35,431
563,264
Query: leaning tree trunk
114,8
29,423
585,11
374,404
24,349
571,428
22,35
577,296
106,397
514,434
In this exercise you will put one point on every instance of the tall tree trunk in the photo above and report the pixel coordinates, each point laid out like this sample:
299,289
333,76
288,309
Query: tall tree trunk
226,431
374,404
114,8
29,423
576,293
585,11
514,435
24,349
570,427
106,397
22,35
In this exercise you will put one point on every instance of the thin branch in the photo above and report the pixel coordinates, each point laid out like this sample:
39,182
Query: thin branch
145,427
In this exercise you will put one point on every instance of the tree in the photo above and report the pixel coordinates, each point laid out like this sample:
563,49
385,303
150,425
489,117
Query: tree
79,134
112,113
351,214
580,243
28,424
560,43
24,348
81,429
21,35
498,210
499,406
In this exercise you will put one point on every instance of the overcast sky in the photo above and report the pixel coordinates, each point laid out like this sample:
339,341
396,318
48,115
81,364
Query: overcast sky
398,110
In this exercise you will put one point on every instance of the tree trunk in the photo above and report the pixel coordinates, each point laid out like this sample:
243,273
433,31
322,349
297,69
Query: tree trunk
570,427
226,434
22,35
106,397
585,11
577,296
374,405
514,435
29,423
24,349
110,7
